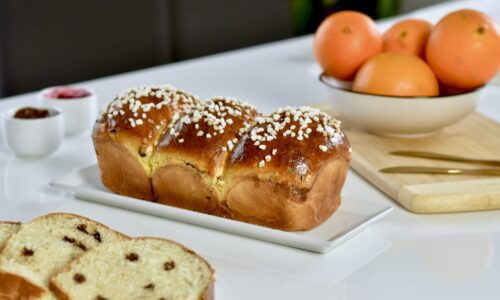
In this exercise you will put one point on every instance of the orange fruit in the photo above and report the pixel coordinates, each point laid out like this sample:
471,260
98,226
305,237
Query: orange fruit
345,40
464,49
407,36
396,74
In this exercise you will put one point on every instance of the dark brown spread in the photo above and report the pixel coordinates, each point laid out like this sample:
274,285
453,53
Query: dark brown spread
31,113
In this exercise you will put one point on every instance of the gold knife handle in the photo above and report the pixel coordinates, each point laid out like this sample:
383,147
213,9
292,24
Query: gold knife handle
446,157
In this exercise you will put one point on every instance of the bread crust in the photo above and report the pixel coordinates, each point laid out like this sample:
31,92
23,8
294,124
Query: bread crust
202,141
184,186
128,132
298,186
124,236
11,223
121,171
208,294
15,287
191,157
283,206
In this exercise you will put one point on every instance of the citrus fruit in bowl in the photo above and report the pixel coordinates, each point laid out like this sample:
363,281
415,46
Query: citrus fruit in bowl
344,41
396,74
407,36
464,49
413,80
399,116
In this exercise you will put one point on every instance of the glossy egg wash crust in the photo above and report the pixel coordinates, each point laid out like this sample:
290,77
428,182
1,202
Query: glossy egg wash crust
162,144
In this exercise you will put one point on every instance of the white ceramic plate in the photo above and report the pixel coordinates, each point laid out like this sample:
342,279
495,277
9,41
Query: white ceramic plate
353,215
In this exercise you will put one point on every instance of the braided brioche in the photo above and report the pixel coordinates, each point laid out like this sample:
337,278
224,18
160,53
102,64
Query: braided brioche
222,157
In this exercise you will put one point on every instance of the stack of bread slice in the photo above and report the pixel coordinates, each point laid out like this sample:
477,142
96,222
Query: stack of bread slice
66,256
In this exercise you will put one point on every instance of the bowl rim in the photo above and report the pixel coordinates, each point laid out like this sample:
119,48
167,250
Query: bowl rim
323,75
42,92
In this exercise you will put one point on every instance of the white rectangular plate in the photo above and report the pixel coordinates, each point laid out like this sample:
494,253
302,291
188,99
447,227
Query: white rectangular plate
353,215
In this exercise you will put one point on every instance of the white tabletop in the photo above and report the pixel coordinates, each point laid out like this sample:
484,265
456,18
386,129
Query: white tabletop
404,256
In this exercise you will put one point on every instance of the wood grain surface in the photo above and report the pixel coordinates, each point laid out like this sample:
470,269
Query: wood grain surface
476,136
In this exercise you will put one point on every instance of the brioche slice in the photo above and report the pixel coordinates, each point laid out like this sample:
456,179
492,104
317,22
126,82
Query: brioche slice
140,268
6,230
42,246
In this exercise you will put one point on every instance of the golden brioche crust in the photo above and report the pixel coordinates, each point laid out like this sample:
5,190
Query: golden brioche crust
299,139
143,113
192,154
15,287
128,131
186,187
285,206
221,157
121,171
287,171
205,135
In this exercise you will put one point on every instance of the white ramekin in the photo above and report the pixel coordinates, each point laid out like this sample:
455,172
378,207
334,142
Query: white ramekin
79,113
33,137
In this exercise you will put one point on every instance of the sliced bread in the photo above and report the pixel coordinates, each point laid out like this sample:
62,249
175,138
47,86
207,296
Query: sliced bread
7,229
41,247
140,268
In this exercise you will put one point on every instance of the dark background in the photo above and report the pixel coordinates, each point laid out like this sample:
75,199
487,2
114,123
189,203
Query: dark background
52,42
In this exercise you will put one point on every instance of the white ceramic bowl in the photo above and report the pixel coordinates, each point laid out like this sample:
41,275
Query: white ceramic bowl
79,113
33,137
405,117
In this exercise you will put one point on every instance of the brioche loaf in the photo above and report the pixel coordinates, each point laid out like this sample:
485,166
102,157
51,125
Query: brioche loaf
30,256
140,268
222,157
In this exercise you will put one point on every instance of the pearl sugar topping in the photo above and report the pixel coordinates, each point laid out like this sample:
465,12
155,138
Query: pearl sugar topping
292,122
217,114
129,100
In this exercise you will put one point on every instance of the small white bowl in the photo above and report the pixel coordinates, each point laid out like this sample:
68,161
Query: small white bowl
405,117
33,137
79,113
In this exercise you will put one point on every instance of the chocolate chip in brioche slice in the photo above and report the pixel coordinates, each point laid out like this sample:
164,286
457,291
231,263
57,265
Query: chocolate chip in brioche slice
140,268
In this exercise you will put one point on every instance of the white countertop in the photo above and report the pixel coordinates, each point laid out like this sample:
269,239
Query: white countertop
404,256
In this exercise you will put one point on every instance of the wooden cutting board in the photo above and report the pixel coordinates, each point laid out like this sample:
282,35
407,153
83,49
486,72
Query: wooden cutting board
476,136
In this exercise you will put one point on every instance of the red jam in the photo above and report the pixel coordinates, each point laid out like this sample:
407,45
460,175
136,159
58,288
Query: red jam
66,92
31,113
